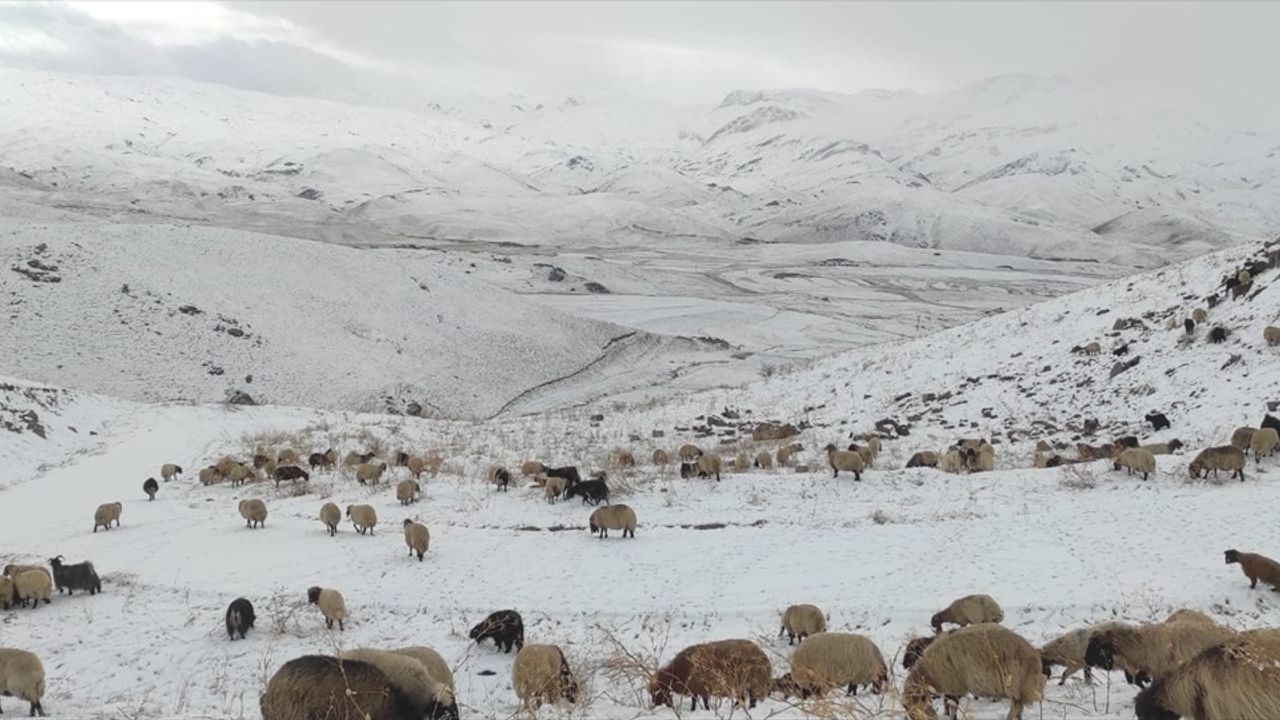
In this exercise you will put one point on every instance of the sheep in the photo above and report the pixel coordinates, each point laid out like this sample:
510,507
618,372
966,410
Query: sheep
1068,650
1136,460
863,452
401,458
224,465
736,669
291,473
32,586
951,462
764,461
660,457
591,491
529,468
553,488
1158,421
784,456
985,660
1089,452
1218,334
1242,437
318,686
417,466
239,474
829,660
1187,615
254,512
22,677
709,464
569,473
1189,325
500,477
504,627
1225,457
689,453
331,605
1256,567
363,517
169,471
1271,422
541,674
330,515
81,576
688,470
436,667
1093,348
924,458
1264,442
417,537
742,462
430,700
12,571
209,476
613,517
324,460
106,514
1152,651
6,593
1165,448
240,618
369,473
1200,315
1237,679
287,456
986,459
624,458
354,458
407,491
150,487
846,460
968,610
801,621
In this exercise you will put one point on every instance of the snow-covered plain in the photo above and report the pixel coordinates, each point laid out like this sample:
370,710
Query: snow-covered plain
1059,548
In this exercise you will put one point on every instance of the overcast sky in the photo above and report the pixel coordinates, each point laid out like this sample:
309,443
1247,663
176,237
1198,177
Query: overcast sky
678,52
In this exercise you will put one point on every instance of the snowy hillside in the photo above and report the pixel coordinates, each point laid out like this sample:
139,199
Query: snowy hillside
1059,548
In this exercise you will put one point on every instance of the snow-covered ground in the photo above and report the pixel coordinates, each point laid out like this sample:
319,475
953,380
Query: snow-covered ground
1059,548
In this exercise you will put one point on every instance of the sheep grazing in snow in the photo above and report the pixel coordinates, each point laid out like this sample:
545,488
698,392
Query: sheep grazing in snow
801,621
983,660
169,471
330,515
742,462
968,610
924,458
6,593
1153,650
1165,448
370,473
1158,421
1092,348
734,669
150,487
553,488
239,474
952,461
689,453
1271,422
429,699
22,677
688,470
568,472
764,461
846,460
1242,437
354,458
504,627
318,686
499,476
291,473
623,458
1226,457
240,618
254,512
331,605
540,674
863,452
417,537
1271,334
1256,567
407,491
1200,315
529,468
1136,460
708,465
32,586
80,576
1068,651
613,517
436,667
1189,325
1237,679
324,460
107,514
1264,442
363,517
830,660
591,491
660,457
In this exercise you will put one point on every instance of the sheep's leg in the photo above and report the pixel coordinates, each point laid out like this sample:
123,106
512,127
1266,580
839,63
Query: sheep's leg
1253,582
1015,710
852,690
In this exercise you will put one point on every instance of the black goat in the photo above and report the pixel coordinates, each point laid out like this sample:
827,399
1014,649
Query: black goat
1189,325
1270,421
591,491
150,487
505,627
80,576
1218,334
1158,421
240,617
568,472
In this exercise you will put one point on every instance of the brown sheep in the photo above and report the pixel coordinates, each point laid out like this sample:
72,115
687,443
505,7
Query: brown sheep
1271,334
529,468
1238,679
1256,567
660,457
540,674
736,669
985,660
968,610
417,537
407,491
1200,315
801,621
689,452
1225,457
623,458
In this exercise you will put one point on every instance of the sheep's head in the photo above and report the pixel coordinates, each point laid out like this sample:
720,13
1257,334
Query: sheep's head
443,706
660,688
1174,445
937,620
915,649
880,683
478,630
1147,706
1196,467
1046,667
1100,653
785,686
313,595
1232,556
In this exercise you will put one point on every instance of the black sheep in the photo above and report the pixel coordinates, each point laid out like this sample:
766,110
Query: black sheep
1218,334
1190,325
502,478
80,576
1128,441
505,627
240,617
290,472
688,470
568,472
318,460
591,491
150,487
1158,421
1270,421
1257,267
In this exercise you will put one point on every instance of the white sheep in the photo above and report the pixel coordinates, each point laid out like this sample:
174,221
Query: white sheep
331,605
363,517
22,677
